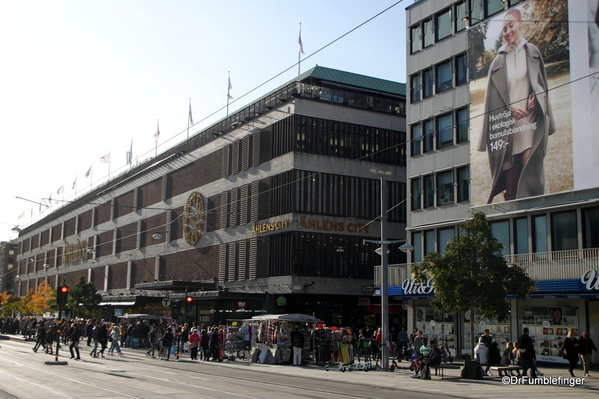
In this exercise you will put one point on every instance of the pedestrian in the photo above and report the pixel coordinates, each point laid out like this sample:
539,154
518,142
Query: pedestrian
527,353
50,335
114,337
214,344
297,340
586,351
205,344
94,335
73,338
570,351
167,342
487,338
88,331
481,351
103,338
41,338
153,340
194,341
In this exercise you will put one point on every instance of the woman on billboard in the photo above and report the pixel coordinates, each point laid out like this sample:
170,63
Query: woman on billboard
518,117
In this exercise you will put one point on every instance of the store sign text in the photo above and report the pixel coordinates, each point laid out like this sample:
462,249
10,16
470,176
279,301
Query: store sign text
411,288
269,226
332,225
73,252
591,279
376,309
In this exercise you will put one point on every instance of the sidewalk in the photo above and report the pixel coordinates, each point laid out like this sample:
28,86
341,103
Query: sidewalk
554,384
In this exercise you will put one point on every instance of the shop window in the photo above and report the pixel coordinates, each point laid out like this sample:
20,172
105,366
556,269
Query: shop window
461,69
427,83
429,134
444,130
564,231
415,193
443,24
417,243
436,324
445,187
443,78
539,238
429,192
444,236
493,7
415,87
521,236
463,176
501,231
416,138
427,33
460,14
415,39
590,222
499,330
463,125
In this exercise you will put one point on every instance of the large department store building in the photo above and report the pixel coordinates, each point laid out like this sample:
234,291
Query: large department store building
534,174
264,211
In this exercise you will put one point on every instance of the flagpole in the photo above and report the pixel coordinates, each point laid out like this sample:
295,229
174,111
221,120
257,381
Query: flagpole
228,92
157,135
187,120
299,53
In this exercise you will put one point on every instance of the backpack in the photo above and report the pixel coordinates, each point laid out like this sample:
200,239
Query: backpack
472,371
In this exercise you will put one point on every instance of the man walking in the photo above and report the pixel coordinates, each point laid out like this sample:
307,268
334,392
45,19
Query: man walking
527,353
297,340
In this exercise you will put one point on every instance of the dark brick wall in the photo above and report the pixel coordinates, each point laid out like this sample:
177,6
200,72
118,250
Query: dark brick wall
149,194
123,205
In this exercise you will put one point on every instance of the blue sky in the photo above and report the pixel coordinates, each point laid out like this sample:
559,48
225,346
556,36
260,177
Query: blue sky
81,79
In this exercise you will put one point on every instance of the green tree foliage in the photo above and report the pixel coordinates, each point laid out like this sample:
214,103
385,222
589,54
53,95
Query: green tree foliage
83,296
474,274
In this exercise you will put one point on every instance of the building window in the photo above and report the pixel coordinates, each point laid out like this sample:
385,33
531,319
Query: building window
590,223
443,24
416,137
460,14
539,226
415,193
427,33
461,68
475,11
427,83
415,39
463,176
429,133
444,130
429,241
501,231
443,77
445,187
445,235
521,236
565,231
415,88
417,243
493,7
429,191
462,125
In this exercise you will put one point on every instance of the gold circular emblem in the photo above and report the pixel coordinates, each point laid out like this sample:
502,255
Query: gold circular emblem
193,218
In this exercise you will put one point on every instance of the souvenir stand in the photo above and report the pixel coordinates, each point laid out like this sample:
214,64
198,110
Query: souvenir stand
333,344
270,336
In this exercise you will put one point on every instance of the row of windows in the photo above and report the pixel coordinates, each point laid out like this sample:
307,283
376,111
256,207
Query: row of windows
452,20
440,188
440,131
542,233
439,77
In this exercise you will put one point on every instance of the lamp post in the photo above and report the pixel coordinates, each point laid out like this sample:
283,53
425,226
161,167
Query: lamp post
385,274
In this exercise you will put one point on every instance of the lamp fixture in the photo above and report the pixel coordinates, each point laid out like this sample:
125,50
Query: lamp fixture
16,229
406,248
379,251
157,236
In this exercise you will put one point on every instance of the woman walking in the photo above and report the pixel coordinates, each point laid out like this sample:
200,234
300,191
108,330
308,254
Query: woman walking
571,350
114,337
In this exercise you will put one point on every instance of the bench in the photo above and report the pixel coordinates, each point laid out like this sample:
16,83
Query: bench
440,367
505,368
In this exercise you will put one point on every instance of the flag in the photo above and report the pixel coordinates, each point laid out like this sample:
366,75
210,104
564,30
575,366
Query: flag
191,117
74,183
105,158
130,154
21,216
229,90
157,134
60,189
50,199
89,171
299,42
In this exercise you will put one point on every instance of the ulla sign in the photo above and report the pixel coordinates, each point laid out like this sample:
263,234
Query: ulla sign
590,279
410,287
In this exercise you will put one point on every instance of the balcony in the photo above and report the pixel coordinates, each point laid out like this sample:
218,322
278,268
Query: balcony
555,265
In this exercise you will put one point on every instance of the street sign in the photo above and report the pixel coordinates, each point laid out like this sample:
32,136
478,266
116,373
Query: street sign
118,312
166,302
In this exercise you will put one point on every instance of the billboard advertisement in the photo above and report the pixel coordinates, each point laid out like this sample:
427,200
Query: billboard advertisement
532,104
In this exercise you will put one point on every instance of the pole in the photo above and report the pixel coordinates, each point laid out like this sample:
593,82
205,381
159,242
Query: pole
384,279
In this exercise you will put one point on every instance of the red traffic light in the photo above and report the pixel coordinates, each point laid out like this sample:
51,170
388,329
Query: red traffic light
188,299
64,289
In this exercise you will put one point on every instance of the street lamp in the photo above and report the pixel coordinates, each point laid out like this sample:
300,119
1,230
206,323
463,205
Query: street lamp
384,251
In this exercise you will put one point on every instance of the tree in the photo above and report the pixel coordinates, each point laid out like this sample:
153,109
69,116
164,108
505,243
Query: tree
473,273
85,295
41,299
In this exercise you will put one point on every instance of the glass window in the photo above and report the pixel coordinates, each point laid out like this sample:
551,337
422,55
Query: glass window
463,176
501,231
416,139
429,191
443,71
429,241
415,193
493,7
427,83
590,222
427,33
444,236
417,244
444,130
514,2
445,187
463,125
460,14
429,132
443,24
460,69
539,225
521,236
475,11
415,87
565,231
414,39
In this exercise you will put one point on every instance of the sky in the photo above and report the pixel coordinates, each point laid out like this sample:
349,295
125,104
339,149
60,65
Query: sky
82,79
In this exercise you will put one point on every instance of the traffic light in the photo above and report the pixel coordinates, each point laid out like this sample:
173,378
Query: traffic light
188,302
0,301
61,295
